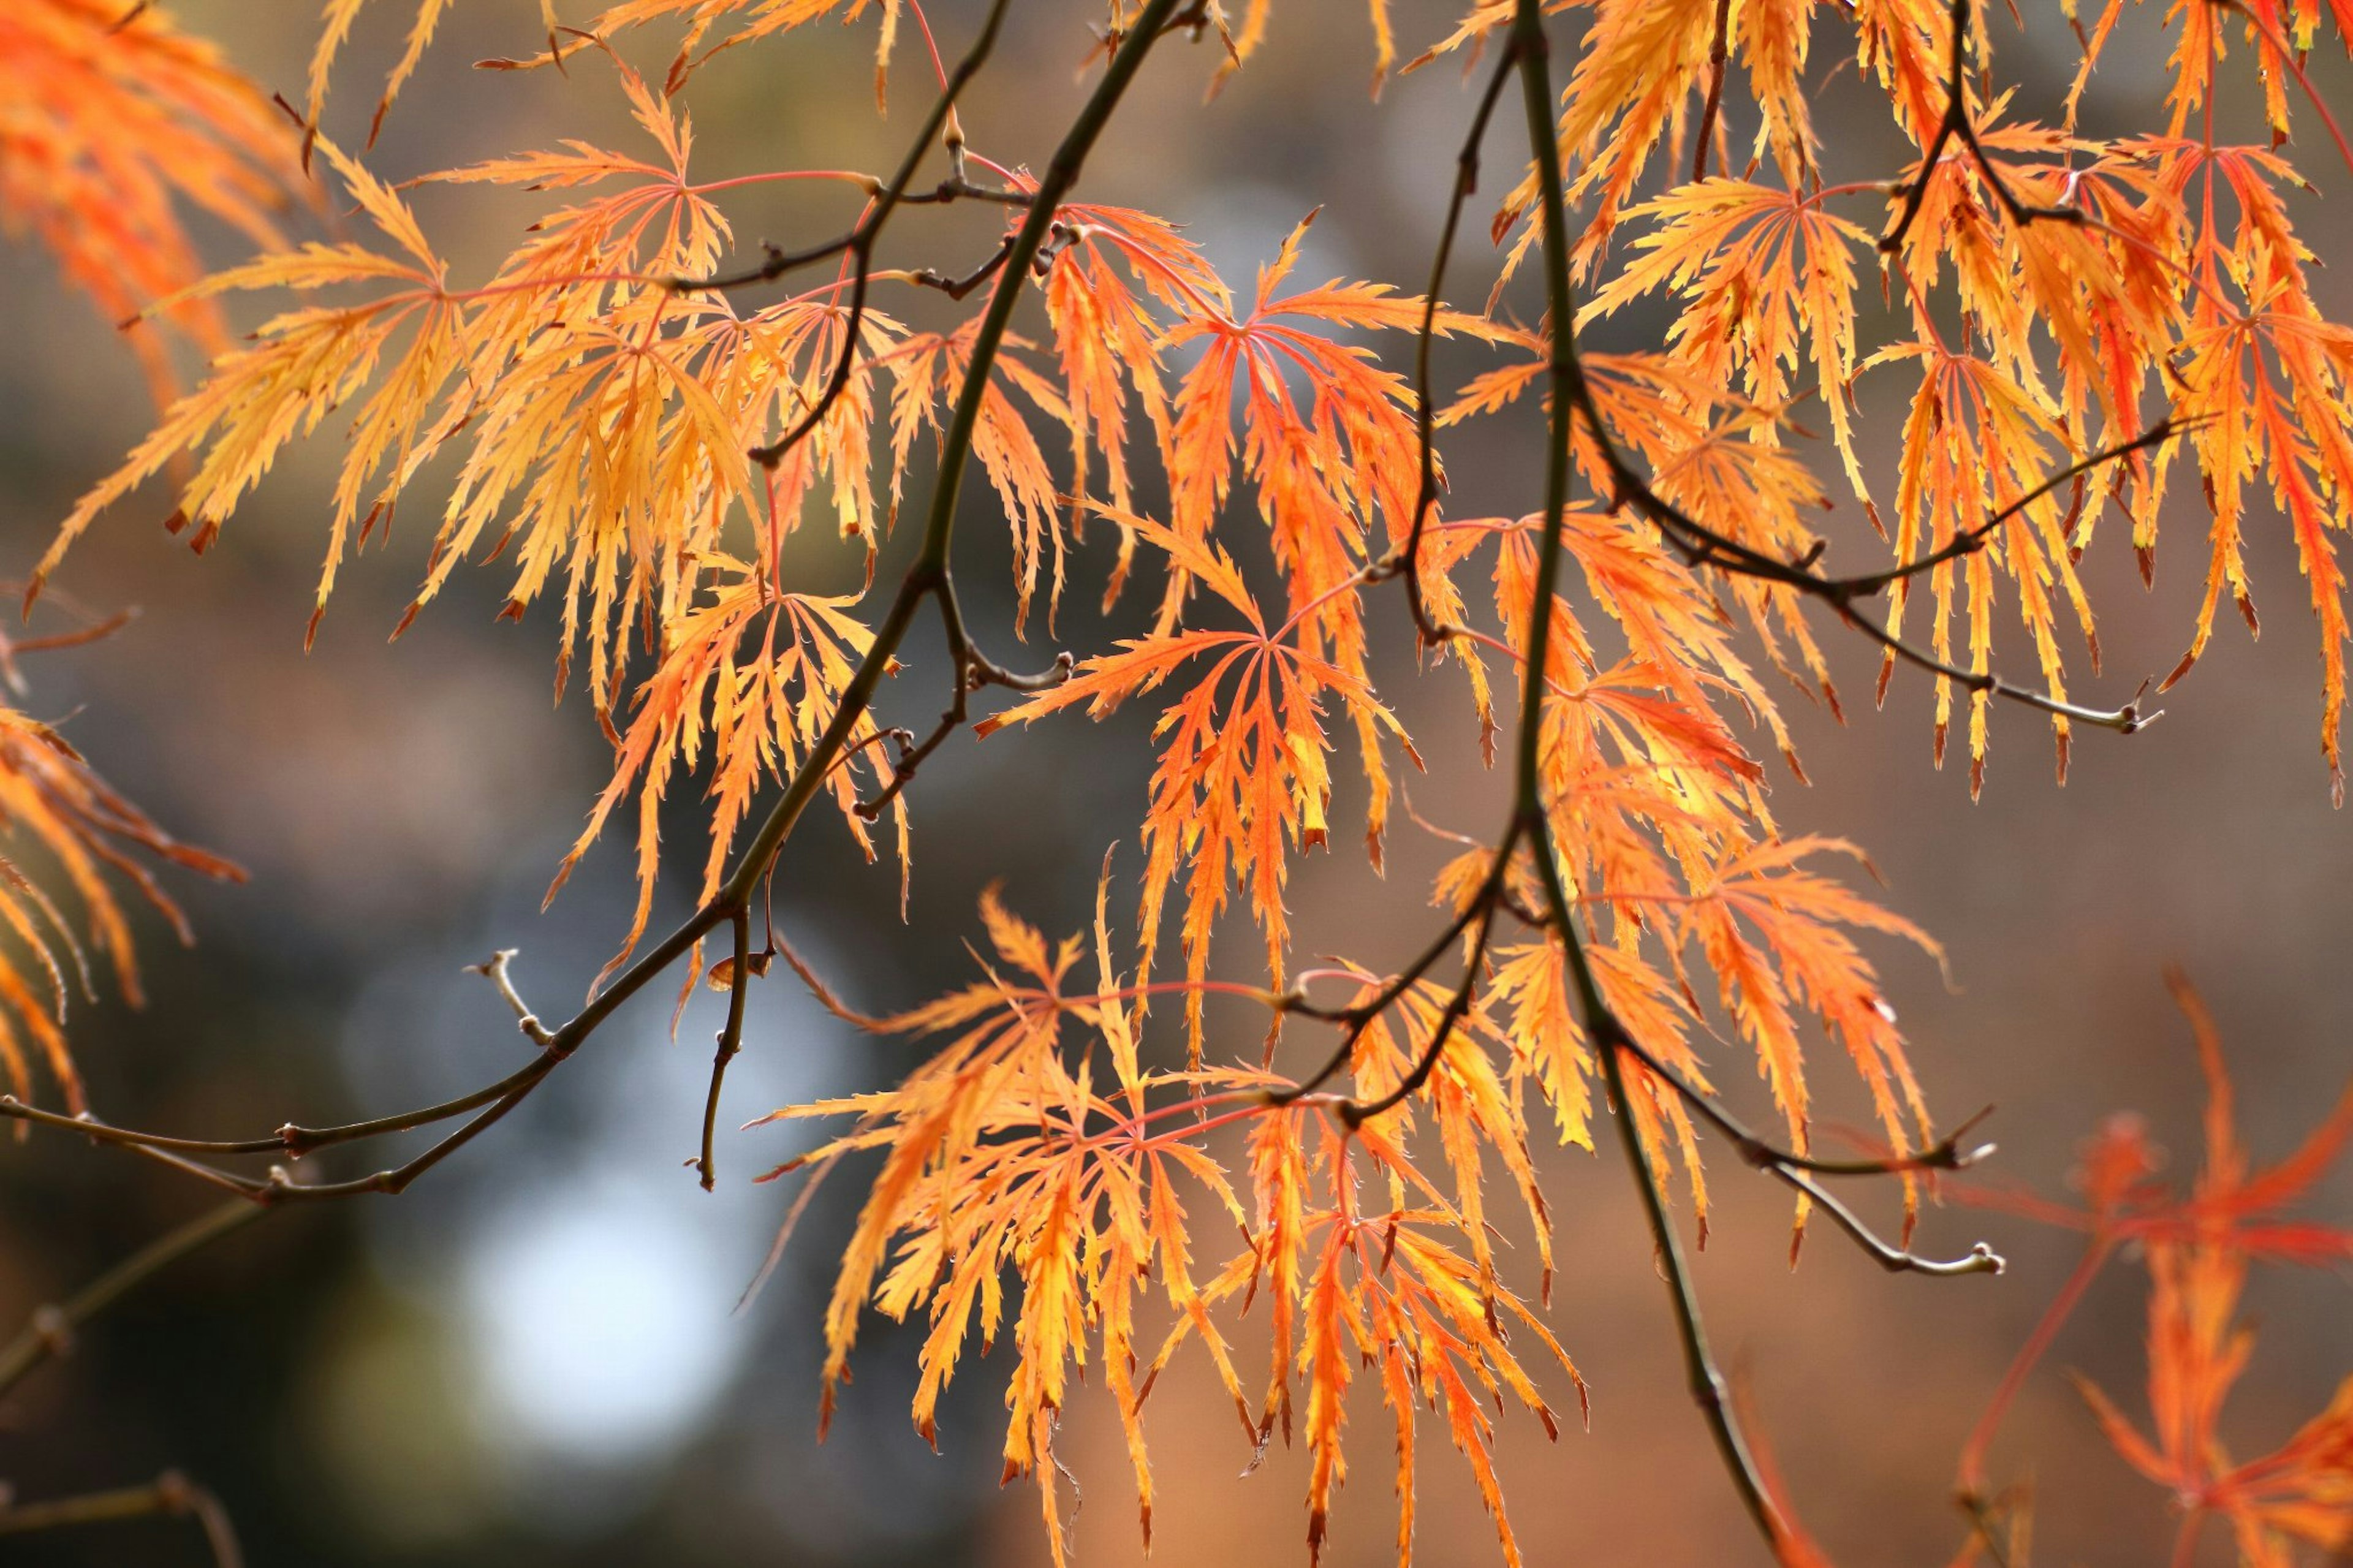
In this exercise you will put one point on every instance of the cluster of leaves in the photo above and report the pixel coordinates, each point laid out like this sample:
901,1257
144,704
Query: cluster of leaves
2197,1248
110,121
1036,1141
2051,288
83,832
644,443
113,123
601,415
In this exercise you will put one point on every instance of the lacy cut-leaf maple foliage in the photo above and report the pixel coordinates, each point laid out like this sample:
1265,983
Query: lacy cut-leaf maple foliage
2066,320
111,121
2197,1247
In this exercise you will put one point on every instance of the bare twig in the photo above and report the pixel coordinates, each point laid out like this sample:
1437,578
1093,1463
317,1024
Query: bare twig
1406,560
494,969
969,670
957,288
171,1494
1358,1016
731,1039
1979,1259
49,1332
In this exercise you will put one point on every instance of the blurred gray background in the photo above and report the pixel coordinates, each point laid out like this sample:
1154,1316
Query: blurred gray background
533,1358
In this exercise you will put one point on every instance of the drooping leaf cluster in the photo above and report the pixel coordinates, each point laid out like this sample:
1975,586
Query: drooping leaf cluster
61,824
113,122
639,439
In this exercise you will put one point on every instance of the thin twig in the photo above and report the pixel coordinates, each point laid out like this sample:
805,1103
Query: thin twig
1358,1016
49,1332
494,969
957,288
1406,560
969,670
858,245
171,1494
1449,1022
1979,1259
1969,541
731,1039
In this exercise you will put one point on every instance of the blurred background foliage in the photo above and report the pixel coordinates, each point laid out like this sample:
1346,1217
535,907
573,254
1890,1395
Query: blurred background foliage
535,1356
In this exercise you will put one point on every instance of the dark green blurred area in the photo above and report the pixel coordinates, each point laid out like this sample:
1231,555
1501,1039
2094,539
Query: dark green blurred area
534,1356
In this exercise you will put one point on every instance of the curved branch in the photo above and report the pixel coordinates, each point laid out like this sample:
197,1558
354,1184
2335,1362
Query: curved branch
1359,1016
1458,1008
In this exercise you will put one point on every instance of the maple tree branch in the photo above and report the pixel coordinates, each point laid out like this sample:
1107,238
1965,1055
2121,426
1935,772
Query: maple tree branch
48,1333
171,1494
836,379
1979,1259
1702,546
1968,541
969,670
913,754
957,288
2125,721
1572,398
1708,1388
730,1040
1568,394
1406,560
1947,1155
290,1139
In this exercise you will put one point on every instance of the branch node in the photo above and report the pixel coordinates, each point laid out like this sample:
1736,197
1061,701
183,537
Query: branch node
53,1329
